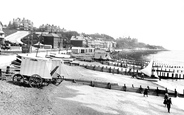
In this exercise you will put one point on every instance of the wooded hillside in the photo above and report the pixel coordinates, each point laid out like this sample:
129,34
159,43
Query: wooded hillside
132,43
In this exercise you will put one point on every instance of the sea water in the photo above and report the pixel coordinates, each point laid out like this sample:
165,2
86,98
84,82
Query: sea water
173,58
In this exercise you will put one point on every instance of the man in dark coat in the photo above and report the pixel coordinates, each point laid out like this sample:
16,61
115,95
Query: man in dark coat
169,105
166,98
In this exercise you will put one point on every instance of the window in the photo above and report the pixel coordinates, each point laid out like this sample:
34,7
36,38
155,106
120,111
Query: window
82,50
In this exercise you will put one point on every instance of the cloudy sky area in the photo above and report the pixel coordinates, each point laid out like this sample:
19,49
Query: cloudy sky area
155,22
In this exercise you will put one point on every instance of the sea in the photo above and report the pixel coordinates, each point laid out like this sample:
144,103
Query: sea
173,58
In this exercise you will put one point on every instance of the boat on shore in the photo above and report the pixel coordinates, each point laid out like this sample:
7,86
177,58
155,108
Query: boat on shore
148,74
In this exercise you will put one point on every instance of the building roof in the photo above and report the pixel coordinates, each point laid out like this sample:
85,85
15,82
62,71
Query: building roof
47,34
82,48
17,36
1,32
79,38
51,35
41,33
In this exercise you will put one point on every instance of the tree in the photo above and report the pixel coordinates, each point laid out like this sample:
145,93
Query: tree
132,43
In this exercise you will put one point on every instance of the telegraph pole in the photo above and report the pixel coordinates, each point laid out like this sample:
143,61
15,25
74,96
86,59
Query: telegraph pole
39,44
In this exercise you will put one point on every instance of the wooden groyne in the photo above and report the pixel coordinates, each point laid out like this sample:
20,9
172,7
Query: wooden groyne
164,71
5,75
125,64
114,86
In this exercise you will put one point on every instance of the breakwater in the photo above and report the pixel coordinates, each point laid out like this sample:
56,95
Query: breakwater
136,89
164,71
113,86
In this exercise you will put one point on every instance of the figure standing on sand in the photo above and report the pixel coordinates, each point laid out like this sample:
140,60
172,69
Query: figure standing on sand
166,98
175,93
169,104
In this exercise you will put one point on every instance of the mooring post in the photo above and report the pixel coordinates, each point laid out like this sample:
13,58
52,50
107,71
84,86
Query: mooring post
167,75
0,73
109,85
74,81
94,67
102,68
141,89
7,69
157,91
113,70
125,71
118,71
92,84
110,70
175,93
166,91
124,87
121,64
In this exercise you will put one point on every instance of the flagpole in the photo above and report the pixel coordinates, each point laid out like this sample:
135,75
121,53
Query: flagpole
38,45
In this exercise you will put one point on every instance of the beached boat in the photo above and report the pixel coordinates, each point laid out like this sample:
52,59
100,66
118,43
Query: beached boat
148,74
57,55
64,57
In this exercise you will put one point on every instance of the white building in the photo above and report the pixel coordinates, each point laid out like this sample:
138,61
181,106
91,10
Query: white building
78,50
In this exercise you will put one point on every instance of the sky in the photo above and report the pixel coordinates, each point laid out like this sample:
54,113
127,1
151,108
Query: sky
154,22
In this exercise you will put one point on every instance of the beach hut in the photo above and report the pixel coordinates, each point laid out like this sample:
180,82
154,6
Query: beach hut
102,55
82,50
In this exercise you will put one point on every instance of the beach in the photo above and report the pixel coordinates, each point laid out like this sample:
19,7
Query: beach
72,98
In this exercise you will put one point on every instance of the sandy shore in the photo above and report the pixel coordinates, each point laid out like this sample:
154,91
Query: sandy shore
72,99
87,100
18,100
117,102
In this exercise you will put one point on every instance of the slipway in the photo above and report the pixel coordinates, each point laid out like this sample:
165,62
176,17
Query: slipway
17,36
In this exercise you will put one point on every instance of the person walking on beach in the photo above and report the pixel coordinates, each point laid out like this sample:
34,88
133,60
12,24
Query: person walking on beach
175,93
169,104
166,98
146,92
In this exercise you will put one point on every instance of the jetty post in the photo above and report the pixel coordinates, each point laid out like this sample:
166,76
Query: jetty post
0,73
7,69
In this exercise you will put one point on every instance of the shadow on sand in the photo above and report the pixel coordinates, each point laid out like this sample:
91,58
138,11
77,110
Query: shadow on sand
19,84
23,84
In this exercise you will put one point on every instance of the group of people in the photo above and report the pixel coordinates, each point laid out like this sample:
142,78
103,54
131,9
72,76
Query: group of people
167,99
167,102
